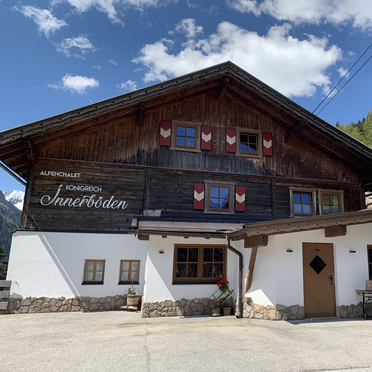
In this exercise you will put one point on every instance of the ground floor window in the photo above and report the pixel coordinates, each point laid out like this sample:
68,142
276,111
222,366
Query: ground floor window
129,271
199,263
94,271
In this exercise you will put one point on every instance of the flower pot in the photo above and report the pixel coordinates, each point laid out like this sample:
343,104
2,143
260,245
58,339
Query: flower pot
133,300
216,312
227,311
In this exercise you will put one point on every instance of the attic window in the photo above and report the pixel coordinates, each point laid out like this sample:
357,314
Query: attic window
302,202
249,143
331,201
185,136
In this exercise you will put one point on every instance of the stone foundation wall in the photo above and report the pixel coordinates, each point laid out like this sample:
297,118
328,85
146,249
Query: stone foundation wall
351,311
294,312
61,304
278,312
183,307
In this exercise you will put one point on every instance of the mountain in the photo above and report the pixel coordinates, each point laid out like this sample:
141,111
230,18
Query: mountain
10,219
15,197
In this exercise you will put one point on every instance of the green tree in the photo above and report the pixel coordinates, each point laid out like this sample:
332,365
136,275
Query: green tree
3,264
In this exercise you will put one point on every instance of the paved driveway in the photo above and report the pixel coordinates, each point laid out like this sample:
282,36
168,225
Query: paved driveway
120,341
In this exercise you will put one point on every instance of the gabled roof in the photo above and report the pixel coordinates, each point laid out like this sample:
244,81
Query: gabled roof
301,122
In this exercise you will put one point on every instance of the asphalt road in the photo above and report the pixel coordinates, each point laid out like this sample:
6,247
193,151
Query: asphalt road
120,341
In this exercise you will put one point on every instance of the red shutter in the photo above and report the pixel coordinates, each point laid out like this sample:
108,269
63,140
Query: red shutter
267,144
231,140
206,137
165,133
199,196
239,199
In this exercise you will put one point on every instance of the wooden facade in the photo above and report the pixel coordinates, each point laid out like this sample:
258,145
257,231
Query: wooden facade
121,154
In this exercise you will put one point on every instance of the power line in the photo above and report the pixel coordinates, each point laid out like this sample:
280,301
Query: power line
340,82
345,84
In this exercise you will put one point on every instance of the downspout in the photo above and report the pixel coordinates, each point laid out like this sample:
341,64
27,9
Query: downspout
240,294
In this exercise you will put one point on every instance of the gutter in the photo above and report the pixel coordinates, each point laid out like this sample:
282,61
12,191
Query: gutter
240,294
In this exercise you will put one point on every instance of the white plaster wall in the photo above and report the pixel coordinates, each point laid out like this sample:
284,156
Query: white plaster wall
159,271
52,264
278,275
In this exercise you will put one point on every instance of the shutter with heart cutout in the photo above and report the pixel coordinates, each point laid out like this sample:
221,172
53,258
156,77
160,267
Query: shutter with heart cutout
239,199
165,133
199,196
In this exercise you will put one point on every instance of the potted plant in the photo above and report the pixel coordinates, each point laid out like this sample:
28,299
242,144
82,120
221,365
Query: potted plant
226,308
133,297
223,285
216,309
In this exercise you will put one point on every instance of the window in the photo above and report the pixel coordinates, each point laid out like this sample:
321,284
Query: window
129,271
369,248
199,263
186,136
94,271
331,201
219,198
249,143
302,202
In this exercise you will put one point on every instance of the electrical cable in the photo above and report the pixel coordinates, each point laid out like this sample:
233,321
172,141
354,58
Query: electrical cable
347,72
345,84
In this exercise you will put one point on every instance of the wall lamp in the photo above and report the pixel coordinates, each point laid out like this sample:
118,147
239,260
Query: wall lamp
161,252
352,251
289,250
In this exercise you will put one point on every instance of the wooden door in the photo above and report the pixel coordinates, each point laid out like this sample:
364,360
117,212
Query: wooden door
319,283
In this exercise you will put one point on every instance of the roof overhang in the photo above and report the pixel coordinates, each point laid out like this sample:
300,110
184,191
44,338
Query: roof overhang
206,230
304,224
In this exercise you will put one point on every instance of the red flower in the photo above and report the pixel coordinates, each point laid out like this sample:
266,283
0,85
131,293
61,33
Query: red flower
227,282
218,303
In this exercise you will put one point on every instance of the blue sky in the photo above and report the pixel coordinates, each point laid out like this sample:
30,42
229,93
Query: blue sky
59,55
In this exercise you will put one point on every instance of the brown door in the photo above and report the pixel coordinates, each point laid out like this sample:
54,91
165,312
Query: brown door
319,283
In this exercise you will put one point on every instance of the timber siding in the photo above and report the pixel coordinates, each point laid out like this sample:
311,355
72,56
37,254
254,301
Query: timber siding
124,140
153,189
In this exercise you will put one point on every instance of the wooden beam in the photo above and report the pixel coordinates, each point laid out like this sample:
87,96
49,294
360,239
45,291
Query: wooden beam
256,241
336,230
143,237
252,262
292,133
30,149
224,85
5,283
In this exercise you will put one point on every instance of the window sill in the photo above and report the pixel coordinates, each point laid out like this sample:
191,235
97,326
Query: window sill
184,149
128,282
92,283
249,155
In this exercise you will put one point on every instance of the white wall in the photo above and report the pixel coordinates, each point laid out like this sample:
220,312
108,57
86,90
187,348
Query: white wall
278,275
52,264
159,271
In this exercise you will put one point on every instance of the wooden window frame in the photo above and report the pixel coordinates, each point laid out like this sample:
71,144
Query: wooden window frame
339,193
129,272
94,282
369,247
248,131
312,204
189,124
199,279
207,206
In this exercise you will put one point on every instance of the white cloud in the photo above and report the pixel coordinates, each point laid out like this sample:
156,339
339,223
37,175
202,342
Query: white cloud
113,62
79,43
356,12
75,84
188,27
46,22
294,67
128,86
97,66
343,72
112,7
